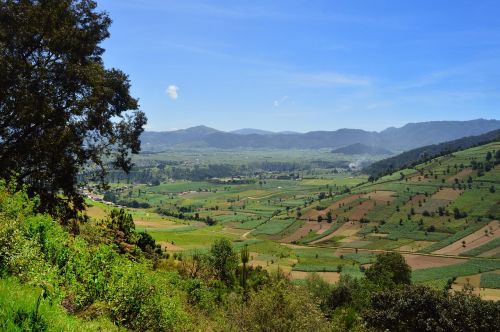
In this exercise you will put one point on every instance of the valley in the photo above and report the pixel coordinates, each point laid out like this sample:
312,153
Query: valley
442,215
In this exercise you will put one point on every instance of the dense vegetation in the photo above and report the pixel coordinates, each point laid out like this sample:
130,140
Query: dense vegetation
277,240
416,156
111,276
60,108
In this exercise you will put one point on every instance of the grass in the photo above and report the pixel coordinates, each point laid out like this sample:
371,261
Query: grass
319,260
490,280
274,226
409,230
19,301
361,258
470,267
196,238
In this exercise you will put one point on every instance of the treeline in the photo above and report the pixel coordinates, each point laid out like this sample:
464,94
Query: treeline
426,153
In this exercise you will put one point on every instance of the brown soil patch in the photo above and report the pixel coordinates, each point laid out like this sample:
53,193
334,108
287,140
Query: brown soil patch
313,213
330,277
419,178
463,174
415,199
315,226
417,262
382,196
359,211
473,240
449,194
348,228
491,253
170,246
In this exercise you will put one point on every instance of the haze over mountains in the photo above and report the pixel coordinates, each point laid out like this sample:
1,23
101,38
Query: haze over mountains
409,136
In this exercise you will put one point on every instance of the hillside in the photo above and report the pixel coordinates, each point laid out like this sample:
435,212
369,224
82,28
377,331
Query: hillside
412,157
410,136
177,263
359,148
329,219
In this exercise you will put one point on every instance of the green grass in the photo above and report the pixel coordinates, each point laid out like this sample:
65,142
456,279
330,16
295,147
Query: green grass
16,298
470,267
360,257
197,238
477,201
409,230
490,280
274,226
318,260
251,224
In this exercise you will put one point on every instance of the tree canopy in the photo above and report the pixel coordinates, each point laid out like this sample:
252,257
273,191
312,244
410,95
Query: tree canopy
60,108
390,267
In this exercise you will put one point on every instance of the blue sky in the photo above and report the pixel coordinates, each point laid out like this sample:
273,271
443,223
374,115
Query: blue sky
307,65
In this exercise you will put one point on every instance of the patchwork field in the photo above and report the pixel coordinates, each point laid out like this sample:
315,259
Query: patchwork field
442,215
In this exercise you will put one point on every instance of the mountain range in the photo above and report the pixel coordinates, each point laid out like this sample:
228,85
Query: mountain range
409,136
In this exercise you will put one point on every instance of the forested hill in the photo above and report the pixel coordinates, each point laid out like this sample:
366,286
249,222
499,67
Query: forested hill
416,156
359,148
410,136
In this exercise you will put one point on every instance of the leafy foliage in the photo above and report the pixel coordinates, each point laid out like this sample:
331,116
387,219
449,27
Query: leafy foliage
59,105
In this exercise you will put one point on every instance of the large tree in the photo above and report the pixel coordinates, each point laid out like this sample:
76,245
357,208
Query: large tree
60,108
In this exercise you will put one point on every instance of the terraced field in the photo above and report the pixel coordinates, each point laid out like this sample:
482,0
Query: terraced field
442,215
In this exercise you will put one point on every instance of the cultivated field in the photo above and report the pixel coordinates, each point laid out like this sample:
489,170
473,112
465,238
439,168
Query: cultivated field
442,215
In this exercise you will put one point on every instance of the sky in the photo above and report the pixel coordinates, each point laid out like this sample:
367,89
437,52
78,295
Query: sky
295,65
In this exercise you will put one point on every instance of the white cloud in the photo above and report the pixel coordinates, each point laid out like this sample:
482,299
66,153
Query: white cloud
278,102
172,91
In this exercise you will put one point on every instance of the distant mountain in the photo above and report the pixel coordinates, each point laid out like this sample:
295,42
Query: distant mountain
414,135
158,140
419,155
250,131
288,132
358,148
408,137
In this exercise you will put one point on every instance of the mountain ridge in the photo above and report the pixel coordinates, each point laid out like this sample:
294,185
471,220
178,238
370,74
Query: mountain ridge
409,136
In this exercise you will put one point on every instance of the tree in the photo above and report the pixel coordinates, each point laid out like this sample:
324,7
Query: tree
389,267
329,217
223,260
60,108
245,258
419,308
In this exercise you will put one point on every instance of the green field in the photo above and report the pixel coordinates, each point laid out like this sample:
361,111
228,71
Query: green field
272,210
